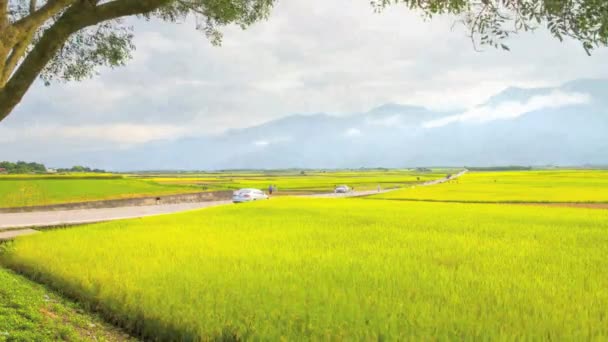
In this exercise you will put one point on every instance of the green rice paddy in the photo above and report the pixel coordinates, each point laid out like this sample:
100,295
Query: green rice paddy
560,186
31,190
305,181
35,191
337,269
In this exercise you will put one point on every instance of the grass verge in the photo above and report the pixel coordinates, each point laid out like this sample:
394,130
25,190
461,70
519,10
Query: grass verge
30,312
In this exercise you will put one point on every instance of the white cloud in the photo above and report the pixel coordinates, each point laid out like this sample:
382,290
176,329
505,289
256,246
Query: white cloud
266,142
121,134
126,133
388,121
261,143
311,56
511,109
352,132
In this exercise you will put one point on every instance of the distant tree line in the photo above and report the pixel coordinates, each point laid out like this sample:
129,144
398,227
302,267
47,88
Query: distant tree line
501,168
21,167
79,168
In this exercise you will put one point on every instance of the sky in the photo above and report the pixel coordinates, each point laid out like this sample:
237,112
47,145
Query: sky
310,56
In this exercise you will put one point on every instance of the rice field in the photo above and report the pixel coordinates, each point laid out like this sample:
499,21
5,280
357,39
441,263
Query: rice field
337,269
304,181
31,190
546,186
34,191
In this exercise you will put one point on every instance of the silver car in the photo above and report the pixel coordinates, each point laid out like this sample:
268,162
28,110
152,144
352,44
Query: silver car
248,195
342,189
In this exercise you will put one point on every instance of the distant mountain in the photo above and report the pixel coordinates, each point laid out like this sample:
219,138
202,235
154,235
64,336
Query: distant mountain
566,125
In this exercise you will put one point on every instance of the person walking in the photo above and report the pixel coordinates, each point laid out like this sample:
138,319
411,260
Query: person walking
270,189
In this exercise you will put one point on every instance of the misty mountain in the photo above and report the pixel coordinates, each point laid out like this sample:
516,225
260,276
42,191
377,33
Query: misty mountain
566,125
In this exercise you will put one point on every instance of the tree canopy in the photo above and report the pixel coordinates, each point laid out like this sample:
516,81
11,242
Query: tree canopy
21,167
68,40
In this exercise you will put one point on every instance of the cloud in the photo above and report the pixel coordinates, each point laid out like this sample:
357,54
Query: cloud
120,134
337,57
352,132
388,121
511,109
266,142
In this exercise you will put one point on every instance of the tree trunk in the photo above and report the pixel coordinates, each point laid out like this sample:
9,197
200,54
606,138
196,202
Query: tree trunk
52,40
77,17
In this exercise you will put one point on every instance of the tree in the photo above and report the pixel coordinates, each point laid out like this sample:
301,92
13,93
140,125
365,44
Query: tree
68,39
79,168
22,167
491,21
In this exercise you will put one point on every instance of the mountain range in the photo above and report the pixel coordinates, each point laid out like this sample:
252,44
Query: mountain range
564,125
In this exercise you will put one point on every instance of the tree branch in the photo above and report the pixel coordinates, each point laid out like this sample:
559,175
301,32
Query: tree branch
123,8
33,4
13,59
75,18
3,13
44,13
17,51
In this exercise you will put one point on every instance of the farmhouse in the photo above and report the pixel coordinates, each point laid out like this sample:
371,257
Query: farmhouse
3,171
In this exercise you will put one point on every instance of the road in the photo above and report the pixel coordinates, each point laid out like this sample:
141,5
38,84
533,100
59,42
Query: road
17,224
70,217
350,194
445,179
81,216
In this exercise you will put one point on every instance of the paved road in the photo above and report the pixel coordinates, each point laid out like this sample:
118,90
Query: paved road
351,194
445,179
81,216
65,217
10,223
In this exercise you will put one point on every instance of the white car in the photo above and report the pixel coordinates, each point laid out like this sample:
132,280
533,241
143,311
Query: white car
342,189
248,195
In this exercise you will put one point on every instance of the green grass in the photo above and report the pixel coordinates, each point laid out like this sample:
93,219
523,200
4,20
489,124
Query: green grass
29,312
564,186
20,192
338,269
